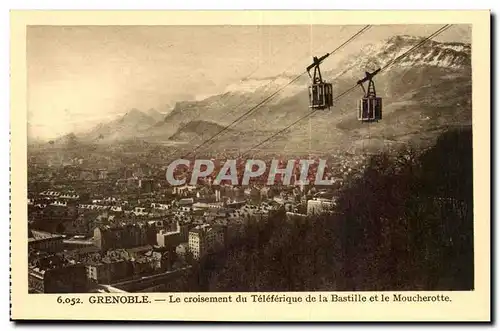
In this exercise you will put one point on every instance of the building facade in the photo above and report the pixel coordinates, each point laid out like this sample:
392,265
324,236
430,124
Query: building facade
45,241
122,236
206,239
108,271
57,277
319,206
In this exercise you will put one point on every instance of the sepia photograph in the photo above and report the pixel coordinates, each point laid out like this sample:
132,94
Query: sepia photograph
261,159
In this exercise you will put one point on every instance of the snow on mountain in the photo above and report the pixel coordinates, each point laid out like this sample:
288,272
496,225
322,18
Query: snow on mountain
369,58
429,53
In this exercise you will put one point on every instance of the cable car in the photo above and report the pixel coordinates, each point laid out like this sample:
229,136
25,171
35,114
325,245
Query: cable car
320,92
370,106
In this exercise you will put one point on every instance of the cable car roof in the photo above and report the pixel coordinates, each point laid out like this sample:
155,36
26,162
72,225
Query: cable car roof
368,76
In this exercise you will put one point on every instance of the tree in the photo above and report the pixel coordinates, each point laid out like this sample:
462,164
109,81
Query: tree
405,224
60,228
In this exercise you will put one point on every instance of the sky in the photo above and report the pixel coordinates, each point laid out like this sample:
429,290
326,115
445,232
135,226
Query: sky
79,76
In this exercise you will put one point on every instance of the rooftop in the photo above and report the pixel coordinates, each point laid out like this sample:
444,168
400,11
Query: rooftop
34,235
139,249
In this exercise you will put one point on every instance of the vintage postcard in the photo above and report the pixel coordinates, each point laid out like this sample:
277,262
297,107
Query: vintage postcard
250,165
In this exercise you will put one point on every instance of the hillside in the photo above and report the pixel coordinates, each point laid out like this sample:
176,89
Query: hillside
404,225
155,114
426,92
197,131
128,126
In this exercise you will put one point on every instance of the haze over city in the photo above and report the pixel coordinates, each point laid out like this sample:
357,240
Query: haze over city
81,76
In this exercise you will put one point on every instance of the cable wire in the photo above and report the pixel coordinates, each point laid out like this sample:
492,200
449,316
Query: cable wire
251,110
238,105
439,31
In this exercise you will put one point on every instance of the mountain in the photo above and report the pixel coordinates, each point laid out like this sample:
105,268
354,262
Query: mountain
211,109
430,54
198,130
128,126
424,93
156,115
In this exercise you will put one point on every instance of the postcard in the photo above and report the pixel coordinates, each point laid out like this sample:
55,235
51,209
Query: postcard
250,165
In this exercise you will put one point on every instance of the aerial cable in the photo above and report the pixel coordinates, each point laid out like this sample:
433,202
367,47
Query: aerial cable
390,63
241,103
276,92
224,97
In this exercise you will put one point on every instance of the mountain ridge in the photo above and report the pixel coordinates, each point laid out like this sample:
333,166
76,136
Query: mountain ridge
434,79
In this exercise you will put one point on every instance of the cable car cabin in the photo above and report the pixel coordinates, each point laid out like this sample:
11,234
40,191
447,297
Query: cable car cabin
370,109
320,96
370,106
320,92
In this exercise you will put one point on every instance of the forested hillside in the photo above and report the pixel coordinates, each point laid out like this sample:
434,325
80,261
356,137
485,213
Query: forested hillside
407,224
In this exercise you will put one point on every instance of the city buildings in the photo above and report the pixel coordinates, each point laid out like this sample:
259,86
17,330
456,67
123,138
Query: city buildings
54,274
317,206
122,235
205,239
44,241
119,227
107,270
